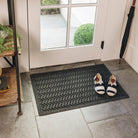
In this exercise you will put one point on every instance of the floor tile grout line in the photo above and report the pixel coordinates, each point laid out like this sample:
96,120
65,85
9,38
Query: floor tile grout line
129,112
133,119
33,100
130,100
36,122
86,123
35,114
35,105
124,114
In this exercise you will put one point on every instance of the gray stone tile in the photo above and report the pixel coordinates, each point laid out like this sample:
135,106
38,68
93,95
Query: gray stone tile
34,105
131,104
26,87
119,127
114,65
69,124
103,111
132,107
135,117
128,78
12,126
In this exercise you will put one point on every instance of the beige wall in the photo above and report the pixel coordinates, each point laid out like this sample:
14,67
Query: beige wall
21,21
131,54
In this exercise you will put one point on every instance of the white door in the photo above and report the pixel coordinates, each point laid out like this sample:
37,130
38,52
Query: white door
65,31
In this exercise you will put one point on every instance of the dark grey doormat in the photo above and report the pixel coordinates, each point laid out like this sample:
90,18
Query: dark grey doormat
70,89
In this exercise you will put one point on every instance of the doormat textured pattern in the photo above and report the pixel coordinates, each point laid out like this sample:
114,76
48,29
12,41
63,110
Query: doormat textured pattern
70,89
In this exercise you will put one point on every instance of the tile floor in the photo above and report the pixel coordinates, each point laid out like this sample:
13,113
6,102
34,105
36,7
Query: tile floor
118,119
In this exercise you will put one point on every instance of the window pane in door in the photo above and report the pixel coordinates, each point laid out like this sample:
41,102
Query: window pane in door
53,2
53,28
82,26
83,1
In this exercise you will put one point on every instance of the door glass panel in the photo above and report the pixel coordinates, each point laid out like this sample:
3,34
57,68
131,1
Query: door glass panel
53,28
53,2
82,25
83,1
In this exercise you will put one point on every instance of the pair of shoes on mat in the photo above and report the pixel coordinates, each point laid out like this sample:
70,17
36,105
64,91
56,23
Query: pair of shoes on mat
99,85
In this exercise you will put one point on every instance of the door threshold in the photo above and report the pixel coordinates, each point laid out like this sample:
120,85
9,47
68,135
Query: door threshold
64,66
